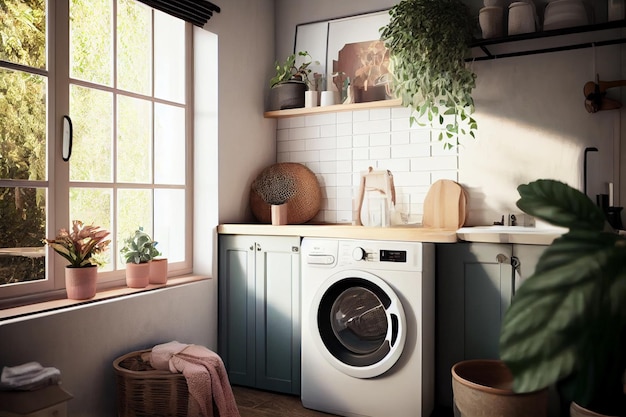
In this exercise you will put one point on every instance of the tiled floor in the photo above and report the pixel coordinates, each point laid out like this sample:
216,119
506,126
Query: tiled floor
256,403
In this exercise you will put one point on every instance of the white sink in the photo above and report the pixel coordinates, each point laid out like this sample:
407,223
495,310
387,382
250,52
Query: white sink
510,234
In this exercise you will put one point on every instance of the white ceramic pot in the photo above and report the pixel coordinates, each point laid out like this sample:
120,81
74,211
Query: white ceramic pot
521,18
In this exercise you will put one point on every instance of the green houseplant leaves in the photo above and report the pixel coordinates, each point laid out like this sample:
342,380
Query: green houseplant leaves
428,43
567,322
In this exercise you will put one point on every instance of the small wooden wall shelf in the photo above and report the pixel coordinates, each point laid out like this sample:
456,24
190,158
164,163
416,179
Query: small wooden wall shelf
277,114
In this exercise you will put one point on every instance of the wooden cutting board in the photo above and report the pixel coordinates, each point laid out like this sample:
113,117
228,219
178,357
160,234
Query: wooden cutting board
445,206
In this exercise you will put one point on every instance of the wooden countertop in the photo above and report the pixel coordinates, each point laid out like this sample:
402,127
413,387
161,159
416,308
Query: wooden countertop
344,231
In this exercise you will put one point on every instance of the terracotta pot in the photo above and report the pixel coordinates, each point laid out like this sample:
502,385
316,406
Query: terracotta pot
279,215
158,271
576,410
138,275
80,283
484,388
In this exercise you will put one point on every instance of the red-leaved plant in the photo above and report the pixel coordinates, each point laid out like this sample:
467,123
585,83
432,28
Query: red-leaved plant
82,246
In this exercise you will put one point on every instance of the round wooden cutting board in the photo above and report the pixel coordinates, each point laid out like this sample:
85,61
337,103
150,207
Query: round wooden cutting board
445,206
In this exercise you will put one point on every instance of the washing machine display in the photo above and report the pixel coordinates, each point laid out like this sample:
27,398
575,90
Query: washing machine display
360,324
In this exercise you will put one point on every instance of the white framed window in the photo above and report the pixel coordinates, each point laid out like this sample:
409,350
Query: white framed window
121,72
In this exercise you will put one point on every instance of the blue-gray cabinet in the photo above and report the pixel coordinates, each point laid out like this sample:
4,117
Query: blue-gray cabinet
474,286
259,311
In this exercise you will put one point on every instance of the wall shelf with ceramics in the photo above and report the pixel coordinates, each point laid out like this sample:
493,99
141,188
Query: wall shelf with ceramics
599,34
277,114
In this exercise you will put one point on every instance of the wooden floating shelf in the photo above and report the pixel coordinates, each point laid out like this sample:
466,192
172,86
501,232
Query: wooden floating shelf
304,111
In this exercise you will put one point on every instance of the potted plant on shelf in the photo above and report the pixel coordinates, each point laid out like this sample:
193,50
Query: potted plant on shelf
566,324
428,41
139,249
287,87
83,248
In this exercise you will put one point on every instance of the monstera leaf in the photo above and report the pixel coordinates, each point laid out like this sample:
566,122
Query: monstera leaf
566,323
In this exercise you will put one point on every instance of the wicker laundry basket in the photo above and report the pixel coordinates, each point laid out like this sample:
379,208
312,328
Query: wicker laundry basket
143,391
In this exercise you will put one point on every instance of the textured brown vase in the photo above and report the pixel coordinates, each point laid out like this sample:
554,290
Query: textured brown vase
158,271
80,283
484,388
138,275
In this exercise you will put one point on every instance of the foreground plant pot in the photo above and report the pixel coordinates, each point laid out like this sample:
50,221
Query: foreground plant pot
484,388
576,410
138,275
80,283
158,271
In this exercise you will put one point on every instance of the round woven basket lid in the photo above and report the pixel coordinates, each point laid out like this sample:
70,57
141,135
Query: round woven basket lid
291,182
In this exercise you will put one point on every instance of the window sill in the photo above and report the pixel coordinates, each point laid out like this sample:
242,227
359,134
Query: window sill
25,312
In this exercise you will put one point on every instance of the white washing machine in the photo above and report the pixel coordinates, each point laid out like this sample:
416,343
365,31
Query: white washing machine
368,327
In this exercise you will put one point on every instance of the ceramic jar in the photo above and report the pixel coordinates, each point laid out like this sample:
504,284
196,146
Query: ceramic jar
491,20
521,18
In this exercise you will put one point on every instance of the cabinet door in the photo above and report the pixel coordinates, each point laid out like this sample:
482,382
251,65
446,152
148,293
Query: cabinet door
278,314
236,324
528,256
473,289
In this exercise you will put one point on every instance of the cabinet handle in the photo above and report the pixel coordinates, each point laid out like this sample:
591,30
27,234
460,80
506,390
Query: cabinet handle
252,247
501,258
258,247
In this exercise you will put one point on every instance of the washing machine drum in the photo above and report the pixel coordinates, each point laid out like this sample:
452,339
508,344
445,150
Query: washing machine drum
361,325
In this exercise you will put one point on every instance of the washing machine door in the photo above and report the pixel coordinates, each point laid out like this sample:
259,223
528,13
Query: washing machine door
359,323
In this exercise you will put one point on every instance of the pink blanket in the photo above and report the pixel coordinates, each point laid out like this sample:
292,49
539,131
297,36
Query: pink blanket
205,374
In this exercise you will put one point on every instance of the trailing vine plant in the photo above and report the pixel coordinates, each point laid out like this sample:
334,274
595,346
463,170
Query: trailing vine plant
428,41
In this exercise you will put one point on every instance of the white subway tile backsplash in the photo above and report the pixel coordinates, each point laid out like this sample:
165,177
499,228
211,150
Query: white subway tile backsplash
400,138
321,119
328,131
361,141
295,122
321,143
344,166
344,129
339,147
361,154
360,116
304,133
379,153
344,117
374,126
380,114
380,139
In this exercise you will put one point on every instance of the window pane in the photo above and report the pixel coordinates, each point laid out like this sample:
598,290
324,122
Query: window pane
169,57
169,221
22,126
23,32
134,211
23,225
92,121
93,206
134,140
169,144
91,44
134,47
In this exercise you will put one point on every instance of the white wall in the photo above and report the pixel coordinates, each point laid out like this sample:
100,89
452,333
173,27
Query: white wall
531,124
83,342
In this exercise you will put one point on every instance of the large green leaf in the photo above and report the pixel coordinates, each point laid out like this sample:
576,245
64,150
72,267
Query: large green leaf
555,313
559,204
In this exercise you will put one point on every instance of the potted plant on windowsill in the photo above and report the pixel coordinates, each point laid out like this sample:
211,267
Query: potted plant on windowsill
287,87
82,247
139,249
566,324
428,41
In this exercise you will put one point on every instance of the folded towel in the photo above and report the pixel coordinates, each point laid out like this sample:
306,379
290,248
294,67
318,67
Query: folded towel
205,374
29,376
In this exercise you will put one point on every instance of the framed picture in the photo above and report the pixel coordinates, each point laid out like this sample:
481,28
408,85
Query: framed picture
348,53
